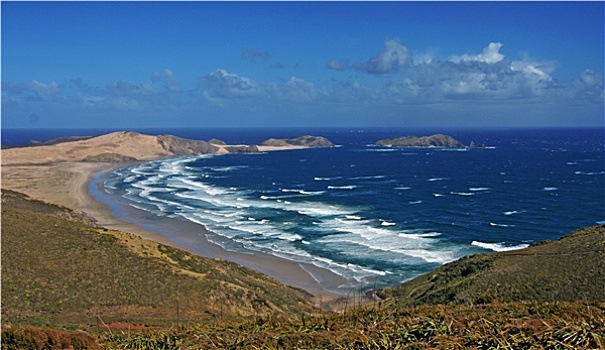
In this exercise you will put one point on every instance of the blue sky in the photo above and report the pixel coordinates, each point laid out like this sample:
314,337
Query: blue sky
291,64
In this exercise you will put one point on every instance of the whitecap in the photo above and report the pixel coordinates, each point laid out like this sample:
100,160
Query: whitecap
386,223
548,189
370,177
312,193
500,225
499,247
478,189
463,193
590,173
317,178
415,202
433,179
402,188
348,187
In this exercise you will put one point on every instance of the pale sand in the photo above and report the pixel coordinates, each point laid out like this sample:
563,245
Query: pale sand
66,184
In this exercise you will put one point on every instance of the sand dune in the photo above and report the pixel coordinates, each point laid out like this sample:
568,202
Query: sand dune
127,144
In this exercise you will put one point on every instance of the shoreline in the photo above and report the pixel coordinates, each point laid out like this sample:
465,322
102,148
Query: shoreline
189,236
76,185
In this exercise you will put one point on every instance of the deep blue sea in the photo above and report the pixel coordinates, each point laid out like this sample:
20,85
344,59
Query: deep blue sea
377,215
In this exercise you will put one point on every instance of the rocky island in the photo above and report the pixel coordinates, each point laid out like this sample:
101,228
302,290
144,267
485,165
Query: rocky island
303,141
437,140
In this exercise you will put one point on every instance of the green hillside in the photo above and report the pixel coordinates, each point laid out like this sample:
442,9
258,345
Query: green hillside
58,269
64,278
571,268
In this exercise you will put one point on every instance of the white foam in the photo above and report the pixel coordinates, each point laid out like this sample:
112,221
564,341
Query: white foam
312,193
402,188
433,179
548,189
478,189
415,202
463,193
312,209
226,168
370,177
327,178
499,247
512,212
386,223
500,225
348,187
590,173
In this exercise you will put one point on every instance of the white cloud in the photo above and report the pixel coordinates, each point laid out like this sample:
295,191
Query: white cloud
228,85
44,92
491,54
337,65
394,56
297,89
167,78
121,88
589,85
255,55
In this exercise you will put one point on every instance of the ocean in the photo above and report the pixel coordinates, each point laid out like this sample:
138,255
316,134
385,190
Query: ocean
377,216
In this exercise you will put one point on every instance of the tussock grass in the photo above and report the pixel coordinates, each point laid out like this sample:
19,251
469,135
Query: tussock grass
561,325
62,272
568,269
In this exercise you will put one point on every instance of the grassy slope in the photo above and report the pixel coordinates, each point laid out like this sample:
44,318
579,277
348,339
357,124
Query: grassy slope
572,268
57,269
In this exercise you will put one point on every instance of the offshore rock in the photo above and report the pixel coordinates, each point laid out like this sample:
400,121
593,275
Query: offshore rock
303,141
437,140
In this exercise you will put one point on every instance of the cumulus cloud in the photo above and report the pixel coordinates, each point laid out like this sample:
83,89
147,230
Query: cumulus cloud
228,85
391,59
44,92
297,89
589,84
490,54
337,65
125,88
487,75
255,55
34,91
168,80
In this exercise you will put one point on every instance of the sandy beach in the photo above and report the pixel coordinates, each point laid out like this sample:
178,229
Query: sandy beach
68,183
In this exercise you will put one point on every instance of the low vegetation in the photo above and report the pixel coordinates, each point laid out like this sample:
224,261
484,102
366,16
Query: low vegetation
568,269
60,271
68,284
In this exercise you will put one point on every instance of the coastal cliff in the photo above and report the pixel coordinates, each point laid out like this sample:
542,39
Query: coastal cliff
437,140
